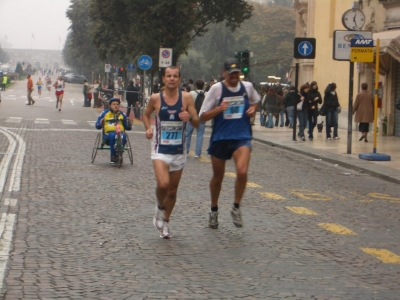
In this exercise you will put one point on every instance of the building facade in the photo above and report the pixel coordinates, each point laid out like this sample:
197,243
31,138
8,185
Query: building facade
319,19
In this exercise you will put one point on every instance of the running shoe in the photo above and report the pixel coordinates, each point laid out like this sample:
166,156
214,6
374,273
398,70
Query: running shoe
336,138
166,231
237,217
213,220
159,218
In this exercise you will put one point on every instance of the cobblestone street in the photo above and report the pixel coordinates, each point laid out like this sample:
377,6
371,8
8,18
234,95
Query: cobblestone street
312,230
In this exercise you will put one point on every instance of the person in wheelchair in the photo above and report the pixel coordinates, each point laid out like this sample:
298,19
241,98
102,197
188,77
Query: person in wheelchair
107,122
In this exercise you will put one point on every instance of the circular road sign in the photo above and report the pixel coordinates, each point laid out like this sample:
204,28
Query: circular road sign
145,62
165,53
305,48
131,67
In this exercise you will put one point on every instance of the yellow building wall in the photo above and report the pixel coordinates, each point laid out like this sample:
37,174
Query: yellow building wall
327,18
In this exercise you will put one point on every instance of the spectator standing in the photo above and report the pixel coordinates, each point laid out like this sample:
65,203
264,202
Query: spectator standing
331,101
4,83
314,98
190,85
364,110
270,105
96,90
132,97
197,95
212,81
85,91
29,87
302,108
280,106
291,100
263,92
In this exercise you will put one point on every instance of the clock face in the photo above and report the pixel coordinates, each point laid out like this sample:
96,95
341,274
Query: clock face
353,19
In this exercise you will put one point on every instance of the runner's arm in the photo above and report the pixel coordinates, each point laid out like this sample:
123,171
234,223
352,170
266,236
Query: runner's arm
147,114
190,114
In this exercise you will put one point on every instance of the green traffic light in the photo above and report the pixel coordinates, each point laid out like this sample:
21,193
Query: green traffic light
245,70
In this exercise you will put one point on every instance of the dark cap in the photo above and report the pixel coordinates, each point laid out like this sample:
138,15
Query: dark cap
113,100
231,65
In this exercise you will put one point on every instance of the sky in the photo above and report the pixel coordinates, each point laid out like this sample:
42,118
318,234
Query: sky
33,24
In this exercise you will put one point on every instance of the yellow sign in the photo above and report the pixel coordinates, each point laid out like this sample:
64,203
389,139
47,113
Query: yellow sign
361,54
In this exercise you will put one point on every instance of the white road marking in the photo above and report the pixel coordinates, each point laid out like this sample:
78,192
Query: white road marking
10,202
69,122
5,162
15,182
13,120
41,121
72,102
6,243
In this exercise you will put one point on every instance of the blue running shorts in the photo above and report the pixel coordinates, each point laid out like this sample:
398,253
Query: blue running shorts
224,149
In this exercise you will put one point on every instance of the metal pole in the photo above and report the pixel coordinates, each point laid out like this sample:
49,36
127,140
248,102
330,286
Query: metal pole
350,114
296,84
378,43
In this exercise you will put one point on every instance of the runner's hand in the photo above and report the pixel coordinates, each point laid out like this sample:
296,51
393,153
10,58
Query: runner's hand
184,115
224,105
149,133
251,111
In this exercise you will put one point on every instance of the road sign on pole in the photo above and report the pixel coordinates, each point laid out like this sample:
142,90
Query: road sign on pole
304,48
145,62
165,58
362,50
107,68
131,67
342,42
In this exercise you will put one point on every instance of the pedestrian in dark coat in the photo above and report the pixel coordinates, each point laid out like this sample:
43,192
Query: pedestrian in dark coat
364,110
314,98
331,101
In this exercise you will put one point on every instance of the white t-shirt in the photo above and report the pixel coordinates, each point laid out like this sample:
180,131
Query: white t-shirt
214,94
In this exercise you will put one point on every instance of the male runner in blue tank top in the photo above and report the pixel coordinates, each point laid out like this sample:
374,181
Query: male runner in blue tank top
172,110
231,103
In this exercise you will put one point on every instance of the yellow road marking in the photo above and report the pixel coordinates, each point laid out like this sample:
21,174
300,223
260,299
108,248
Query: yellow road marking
301,210
366,201
253,185
336,228
383,196
249,184
204,159
230,174
310,195
362,198
272,196
383,255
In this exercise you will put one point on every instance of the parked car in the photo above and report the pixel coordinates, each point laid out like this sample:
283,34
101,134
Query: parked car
73,78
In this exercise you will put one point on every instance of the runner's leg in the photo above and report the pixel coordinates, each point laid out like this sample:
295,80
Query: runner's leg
161,169
242,159
60,99
170,200
218,166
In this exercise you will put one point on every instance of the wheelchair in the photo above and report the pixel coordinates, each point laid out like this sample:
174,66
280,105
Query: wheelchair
101,144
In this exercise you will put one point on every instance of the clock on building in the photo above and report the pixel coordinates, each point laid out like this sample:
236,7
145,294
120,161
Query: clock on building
353,19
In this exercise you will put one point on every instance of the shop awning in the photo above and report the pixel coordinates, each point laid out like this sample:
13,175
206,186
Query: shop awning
389,42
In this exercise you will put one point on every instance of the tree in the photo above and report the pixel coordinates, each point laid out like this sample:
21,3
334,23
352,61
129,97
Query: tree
128,29
79,52
4,56
19,69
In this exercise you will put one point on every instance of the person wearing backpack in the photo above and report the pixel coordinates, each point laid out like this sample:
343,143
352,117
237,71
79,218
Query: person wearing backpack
198,96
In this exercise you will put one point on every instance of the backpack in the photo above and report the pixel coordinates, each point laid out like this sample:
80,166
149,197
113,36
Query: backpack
199,101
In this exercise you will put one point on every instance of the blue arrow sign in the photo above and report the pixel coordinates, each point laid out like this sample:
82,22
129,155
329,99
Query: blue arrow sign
145,62
305,48
131,67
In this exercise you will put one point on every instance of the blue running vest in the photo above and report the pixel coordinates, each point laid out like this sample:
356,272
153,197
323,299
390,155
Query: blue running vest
233,123
170,129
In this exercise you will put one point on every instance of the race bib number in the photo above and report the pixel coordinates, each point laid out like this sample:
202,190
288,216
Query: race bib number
171,133
235,107
60,86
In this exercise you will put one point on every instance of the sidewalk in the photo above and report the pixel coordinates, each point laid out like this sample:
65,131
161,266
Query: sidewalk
335,151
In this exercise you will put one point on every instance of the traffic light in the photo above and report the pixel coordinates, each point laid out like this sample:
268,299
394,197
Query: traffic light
120,72
245,61
113,69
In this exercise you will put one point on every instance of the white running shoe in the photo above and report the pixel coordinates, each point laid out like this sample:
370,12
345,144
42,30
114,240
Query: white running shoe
237,217
166,231
213,220
159,218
